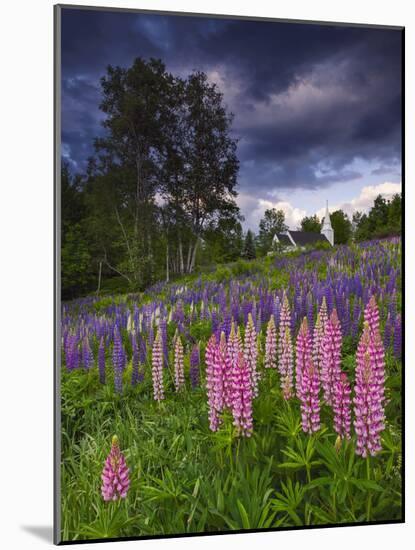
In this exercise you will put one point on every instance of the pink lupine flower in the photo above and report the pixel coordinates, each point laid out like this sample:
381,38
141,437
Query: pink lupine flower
251,353
303,353
318,336
234,344
157,368
368,398
341,406
323,312
285,322
309,397
214,383
330,369
371,315
115,480
286,364
242,397
226,367
271,345
178,365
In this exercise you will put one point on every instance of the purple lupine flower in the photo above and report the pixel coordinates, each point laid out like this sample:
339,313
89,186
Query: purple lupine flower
387,335
118,360
303,353
178,365
341,407
87,356
271,345
309,397
242,395
157,368
368,398
285,364
251,353
214,384
397,337
101,361
330,370
115,479
195,366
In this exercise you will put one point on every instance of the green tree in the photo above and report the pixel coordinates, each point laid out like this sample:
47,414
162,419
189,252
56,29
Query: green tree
249,251
76,267
311,223
272,222
342,227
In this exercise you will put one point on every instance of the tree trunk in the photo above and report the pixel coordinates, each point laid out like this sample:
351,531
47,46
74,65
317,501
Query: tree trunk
99,277
189,258
167,263
192,265
181,255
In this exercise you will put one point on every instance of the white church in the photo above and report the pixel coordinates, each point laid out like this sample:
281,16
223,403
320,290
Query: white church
297,240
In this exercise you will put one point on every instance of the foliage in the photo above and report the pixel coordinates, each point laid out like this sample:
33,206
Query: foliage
311,223
273,222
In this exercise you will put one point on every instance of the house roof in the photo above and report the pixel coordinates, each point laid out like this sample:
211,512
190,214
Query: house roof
284,239
303,238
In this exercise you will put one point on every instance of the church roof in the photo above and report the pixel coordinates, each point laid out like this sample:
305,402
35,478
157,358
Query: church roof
284,239
303,238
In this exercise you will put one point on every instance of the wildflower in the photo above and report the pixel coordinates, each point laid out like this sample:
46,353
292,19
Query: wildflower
330,369
157,368
251,353
286,364
341,406
241,404
368,398
318,337
214,384
271,345
309,396
226,367
115,480
303,353
87,356
118,358
178,365
194,366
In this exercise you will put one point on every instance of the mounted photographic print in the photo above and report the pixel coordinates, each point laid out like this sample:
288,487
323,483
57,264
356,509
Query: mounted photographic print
229,274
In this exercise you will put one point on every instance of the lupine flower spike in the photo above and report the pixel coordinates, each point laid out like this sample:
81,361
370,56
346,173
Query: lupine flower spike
271,345
330,369
251,353
303,354
341,407
178,365
242,395
368,398
157,368
115,480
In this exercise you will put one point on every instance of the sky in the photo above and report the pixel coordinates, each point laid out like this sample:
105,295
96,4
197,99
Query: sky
317,108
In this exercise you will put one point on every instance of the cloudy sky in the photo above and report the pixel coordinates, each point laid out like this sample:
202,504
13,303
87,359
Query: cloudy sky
317,108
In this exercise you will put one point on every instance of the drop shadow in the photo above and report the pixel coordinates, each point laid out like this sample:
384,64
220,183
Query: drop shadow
43,532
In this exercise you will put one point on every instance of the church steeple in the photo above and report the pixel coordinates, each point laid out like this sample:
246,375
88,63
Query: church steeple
327,229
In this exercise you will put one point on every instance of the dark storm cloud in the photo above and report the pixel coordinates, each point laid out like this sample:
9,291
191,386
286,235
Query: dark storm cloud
308,99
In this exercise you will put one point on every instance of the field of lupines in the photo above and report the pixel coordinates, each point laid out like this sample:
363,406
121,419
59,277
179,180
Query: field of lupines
264,395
